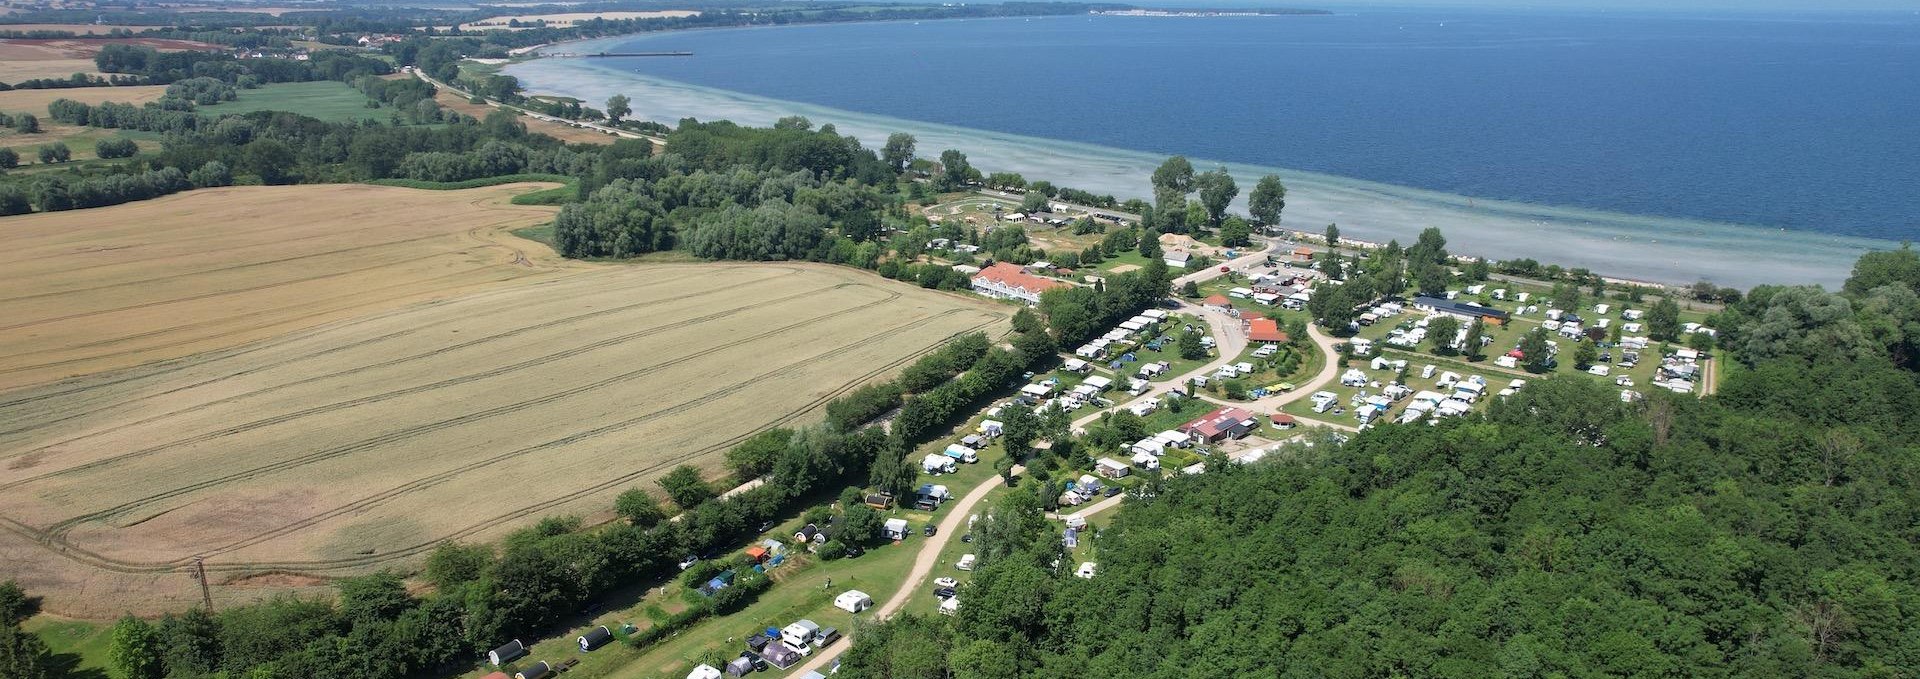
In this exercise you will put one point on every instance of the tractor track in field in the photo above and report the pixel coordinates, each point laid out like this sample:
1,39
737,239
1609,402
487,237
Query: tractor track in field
338,348
423,388
59,545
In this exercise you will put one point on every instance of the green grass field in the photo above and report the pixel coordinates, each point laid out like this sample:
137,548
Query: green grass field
325,100
77,645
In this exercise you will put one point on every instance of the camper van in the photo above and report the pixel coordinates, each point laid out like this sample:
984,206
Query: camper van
962,453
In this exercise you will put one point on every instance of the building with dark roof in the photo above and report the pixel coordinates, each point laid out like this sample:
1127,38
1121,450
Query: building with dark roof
1464,310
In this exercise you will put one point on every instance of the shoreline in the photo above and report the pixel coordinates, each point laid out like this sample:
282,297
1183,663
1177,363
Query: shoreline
1642,248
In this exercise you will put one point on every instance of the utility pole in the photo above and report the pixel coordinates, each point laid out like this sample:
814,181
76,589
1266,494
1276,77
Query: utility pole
206,594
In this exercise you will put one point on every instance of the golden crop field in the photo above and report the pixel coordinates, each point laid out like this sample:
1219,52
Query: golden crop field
327,421
90,290
35,101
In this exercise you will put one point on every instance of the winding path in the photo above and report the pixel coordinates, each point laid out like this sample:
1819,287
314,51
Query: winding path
922,564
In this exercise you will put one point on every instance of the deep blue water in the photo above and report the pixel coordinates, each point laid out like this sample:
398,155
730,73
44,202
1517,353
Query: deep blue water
1803,121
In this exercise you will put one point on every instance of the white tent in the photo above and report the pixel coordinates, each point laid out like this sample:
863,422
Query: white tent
853,601
936,463
704,672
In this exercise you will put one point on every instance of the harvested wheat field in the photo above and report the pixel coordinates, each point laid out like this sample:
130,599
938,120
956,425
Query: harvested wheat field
35,101
364,443
91,290
297,401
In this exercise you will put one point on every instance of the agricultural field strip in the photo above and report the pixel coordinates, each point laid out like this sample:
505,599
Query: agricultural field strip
305,307
82,555
410,261
477,213
415,389
219,269
429,481
72,413
25,245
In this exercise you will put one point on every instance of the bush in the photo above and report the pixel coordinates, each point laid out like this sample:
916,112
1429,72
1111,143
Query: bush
115,147
55,153
833,550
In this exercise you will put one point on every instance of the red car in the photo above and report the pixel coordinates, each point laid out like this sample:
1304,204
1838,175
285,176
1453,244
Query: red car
1224,268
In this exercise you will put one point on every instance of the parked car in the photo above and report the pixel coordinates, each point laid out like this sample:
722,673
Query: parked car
1112,491
930,530
689,562
759,663
967,538
943,593
1224,268
945,582
855,550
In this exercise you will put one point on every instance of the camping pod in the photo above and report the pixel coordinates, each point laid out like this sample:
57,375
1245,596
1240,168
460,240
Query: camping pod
594,638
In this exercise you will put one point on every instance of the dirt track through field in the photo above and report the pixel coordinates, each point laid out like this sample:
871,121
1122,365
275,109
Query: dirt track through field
457,404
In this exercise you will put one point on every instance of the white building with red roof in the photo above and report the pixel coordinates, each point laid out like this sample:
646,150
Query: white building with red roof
1004,280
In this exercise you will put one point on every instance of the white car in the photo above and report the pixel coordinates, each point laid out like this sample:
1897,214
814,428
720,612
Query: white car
945,582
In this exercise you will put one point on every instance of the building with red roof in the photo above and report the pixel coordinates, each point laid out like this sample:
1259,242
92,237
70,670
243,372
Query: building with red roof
1005,280
1218,302
1221,424
1265,330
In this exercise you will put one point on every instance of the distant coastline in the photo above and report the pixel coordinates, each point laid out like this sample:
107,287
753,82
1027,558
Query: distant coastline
1185,12
1658,249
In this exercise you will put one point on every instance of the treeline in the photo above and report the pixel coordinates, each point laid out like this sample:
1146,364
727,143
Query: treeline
728,192
1765,531
153,67
284,148
1078,314
72,81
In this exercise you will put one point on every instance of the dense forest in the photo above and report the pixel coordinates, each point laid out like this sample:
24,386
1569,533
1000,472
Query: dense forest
1766,531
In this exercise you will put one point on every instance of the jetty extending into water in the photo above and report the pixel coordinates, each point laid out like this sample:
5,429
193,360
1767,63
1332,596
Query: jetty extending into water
571,55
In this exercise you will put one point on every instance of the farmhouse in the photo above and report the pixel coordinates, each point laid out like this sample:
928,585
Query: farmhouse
1221,424
1465,310
1006,280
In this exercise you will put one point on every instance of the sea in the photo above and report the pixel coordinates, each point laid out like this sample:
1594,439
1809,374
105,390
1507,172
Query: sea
1740,148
